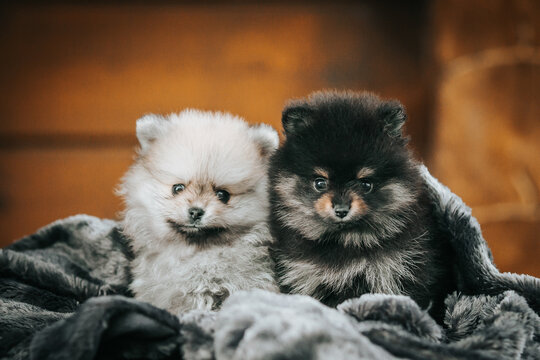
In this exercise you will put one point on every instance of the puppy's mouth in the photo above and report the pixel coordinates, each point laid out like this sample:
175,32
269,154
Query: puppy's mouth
195,230
356,224
348,224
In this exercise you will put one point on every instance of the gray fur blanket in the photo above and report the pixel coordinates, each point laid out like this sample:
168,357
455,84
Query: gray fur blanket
63,295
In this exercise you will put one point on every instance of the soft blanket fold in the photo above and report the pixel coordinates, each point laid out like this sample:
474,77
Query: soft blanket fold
64,295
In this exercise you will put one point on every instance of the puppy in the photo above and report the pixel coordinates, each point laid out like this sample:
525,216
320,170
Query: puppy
196,209
349,210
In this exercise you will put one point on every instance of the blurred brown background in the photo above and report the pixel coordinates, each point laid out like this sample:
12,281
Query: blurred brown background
75,76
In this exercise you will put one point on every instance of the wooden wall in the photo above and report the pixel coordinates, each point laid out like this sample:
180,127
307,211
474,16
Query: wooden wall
486,143
74,78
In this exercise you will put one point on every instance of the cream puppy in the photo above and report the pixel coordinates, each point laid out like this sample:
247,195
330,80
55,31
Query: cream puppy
196,209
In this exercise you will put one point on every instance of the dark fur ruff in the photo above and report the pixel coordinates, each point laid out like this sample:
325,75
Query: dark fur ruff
388,242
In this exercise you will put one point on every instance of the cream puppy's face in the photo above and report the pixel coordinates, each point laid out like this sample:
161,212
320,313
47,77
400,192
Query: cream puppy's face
200,177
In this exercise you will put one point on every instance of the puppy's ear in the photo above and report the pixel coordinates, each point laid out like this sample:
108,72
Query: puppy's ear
265,137
393,116
295,116
149,128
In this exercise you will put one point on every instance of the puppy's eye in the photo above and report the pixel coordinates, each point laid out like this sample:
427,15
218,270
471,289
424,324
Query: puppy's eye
320,184
366,186
176,188
223,196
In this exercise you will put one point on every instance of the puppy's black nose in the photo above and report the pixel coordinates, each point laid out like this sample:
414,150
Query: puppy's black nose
341,210
195,213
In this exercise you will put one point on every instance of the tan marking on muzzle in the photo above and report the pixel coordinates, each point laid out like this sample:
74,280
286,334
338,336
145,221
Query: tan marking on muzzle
324,205
358,206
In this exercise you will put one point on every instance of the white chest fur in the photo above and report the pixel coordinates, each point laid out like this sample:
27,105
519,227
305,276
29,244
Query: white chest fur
181,277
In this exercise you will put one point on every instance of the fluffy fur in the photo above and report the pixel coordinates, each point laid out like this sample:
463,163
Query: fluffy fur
216,164
349,209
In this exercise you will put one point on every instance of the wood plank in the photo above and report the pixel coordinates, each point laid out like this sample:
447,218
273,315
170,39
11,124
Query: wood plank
38,186
464,26
94,69
514,246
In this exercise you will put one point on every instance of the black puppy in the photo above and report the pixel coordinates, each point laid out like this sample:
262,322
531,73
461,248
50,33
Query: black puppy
350,213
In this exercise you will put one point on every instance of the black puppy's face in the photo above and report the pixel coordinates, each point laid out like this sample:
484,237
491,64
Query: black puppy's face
341,201
344,173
